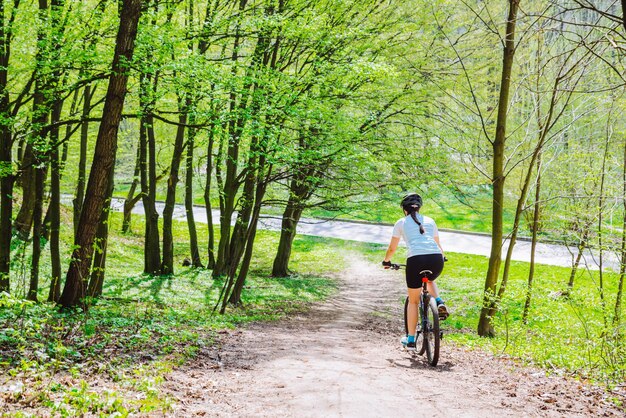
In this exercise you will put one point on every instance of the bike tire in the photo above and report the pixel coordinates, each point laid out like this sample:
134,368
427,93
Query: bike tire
420,343
430,332
406,323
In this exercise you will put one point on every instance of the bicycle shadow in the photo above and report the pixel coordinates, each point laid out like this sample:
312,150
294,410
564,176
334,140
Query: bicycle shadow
420,362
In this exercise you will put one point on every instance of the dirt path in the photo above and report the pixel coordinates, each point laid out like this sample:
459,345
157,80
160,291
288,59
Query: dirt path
343,359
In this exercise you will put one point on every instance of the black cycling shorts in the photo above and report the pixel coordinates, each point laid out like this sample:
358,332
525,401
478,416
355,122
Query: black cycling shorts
417,263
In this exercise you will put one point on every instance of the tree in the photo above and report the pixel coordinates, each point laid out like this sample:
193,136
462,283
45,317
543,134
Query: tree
485,326
147,150
617,316
7,174
535,232
104,157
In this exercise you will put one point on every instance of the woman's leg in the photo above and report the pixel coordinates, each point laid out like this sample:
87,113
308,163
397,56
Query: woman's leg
433,289
441,308
412,309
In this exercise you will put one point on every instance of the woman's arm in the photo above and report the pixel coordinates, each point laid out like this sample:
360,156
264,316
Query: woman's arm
393,246
436,237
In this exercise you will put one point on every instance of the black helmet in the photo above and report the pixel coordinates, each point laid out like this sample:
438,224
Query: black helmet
411,200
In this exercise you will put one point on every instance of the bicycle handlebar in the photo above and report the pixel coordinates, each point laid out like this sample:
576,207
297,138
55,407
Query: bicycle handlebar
399,266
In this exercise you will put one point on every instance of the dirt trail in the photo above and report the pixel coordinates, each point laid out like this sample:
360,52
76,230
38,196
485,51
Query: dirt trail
343,359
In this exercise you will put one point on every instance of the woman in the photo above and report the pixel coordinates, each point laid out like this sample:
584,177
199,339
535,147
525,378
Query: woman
424,253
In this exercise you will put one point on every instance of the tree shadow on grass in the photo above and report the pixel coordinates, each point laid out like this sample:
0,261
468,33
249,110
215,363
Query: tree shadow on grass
154,284
212,291
156,287
296,284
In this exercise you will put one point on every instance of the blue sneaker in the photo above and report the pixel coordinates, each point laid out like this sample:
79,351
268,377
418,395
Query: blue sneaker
406,344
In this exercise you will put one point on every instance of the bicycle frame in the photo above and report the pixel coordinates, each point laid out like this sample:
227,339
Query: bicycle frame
424,299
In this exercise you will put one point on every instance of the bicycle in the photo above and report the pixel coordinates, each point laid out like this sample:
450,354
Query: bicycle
428,335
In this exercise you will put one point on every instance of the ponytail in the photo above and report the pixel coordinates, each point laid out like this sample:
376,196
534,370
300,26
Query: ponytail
412,210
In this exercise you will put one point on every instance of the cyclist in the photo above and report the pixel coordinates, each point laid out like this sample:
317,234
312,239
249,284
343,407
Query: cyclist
424,253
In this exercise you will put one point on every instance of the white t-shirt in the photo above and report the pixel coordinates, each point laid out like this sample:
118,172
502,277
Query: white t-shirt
417,243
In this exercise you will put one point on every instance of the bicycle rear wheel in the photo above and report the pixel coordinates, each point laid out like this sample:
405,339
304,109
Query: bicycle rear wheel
430,332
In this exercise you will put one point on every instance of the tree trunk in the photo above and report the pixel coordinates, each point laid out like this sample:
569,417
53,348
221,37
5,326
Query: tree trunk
249,198
191,222
207,197
300,191
74,290
533,244
485,326
7,176
152,247
291,216
55,207
261,186
40,178
242,225
24,219
88,94
167,264
6,195
235,297
132,198
61,159
94,290
203,45
230,184
582,244
37,167
600,229
82,160
545,125
617,312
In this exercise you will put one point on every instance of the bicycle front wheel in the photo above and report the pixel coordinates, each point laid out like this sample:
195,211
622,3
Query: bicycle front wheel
406,321
430,331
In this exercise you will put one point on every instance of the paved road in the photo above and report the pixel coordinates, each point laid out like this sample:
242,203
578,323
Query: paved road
451,241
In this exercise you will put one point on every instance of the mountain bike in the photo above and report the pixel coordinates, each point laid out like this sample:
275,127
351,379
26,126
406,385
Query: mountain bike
428,334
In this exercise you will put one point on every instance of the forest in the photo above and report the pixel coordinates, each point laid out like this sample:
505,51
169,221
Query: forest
507,116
